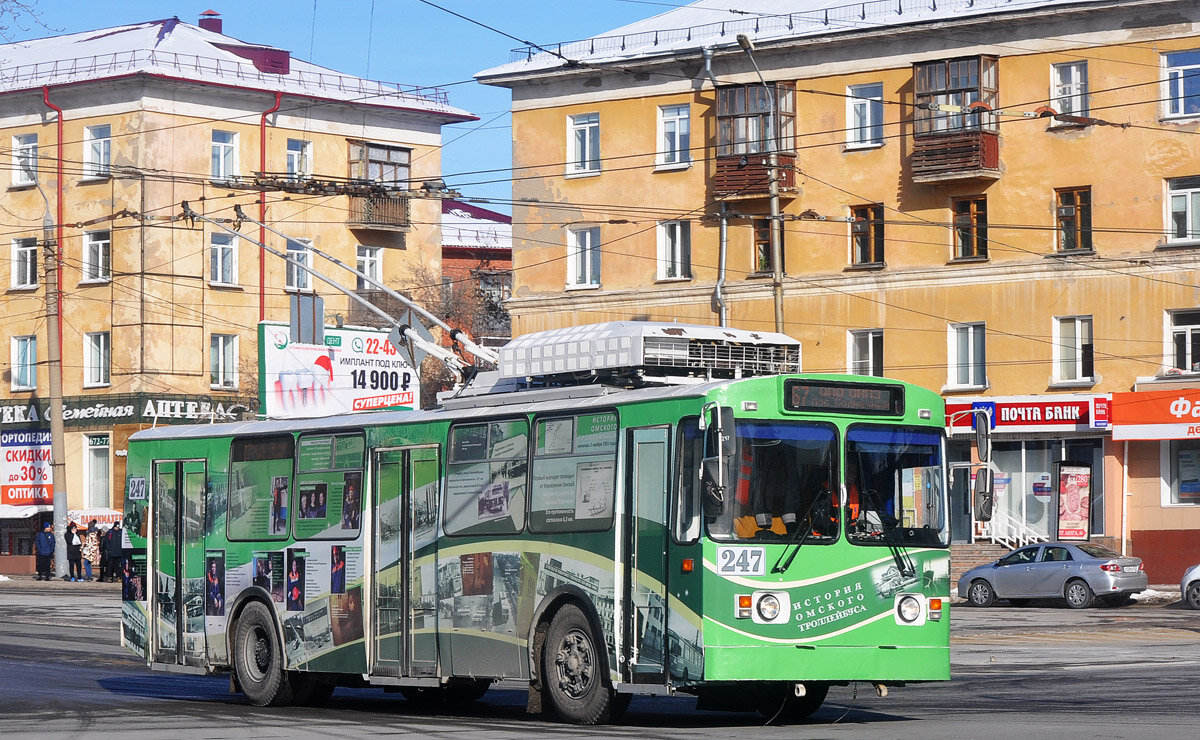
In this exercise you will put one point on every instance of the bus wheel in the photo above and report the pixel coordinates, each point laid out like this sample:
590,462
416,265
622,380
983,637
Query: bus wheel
571,670
258,659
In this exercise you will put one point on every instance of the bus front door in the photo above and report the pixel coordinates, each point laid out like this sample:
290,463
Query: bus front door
645,618
177,540
404,601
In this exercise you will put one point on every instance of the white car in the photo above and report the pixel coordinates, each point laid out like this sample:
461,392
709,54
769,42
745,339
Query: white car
1189,587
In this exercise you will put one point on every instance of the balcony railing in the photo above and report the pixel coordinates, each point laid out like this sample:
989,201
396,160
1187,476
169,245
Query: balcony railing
379,212
748,175
963,155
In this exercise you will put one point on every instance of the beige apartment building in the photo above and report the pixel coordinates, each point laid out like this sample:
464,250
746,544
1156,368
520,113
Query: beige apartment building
104,135
997,200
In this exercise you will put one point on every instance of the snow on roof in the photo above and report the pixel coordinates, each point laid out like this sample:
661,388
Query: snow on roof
467,225
713,23
172,48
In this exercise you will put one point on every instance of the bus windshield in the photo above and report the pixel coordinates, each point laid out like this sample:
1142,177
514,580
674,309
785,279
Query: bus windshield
781,480
895,492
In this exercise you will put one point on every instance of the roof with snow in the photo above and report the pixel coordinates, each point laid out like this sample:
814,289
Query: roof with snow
468,225
714,23
174,49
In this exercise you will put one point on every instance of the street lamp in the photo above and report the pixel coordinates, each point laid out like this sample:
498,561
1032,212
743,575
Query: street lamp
776,235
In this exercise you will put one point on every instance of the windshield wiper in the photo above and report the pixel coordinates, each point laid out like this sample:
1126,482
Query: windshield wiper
899,553
803,534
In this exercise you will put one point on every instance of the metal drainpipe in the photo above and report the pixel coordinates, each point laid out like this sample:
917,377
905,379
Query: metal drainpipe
58,463
718,290
1125,499
262,208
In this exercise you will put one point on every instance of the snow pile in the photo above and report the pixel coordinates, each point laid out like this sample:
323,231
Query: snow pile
1150,596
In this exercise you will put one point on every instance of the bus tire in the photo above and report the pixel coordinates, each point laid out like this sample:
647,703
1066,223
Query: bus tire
258,658
572,670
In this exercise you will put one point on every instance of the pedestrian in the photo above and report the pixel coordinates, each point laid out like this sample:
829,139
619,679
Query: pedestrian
74,552
114,543
103,562
91,549
44,548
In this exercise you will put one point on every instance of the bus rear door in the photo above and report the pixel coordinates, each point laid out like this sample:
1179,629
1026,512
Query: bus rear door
177,543
646,556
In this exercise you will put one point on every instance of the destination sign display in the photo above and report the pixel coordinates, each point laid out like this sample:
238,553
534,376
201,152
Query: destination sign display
850,398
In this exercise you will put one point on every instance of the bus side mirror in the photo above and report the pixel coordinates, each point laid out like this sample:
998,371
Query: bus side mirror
983,495
713,486
983,435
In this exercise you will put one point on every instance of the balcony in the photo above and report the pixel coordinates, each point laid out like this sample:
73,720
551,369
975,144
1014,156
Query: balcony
385,212
733,178
962,155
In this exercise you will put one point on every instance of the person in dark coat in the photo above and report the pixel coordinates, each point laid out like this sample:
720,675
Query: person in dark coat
112,552
43,547
74,552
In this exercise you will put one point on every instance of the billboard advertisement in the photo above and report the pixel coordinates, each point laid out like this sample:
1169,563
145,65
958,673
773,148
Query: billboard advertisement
26,467
354,370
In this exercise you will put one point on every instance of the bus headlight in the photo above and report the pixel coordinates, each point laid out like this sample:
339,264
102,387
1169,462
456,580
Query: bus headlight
908,609
768,607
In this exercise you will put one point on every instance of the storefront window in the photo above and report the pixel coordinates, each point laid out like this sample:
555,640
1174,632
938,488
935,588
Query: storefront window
1024,488
1185,471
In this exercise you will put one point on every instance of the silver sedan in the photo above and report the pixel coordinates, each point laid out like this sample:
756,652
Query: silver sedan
1189,587
1079,572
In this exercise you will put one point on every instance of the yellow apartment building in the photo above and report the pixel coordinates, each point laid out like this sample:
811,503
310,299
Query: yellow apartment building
998,200
104,135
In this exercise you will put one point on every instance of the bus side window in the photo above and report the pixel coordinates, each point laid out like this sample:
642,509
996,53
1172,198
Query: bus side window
689,451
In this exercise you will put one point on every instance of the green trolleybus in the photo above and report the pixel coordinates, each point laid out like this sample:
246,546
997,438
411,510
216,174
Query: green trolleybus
623,508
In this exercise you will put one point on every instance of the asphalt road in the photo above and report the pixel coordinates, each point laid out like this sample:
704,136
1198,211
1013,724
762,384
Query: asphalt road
1039,672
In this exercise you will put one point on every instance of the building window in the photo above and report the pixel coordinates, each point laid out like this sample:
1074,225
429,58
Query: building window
1073,353
298,252
24,159
96,359
762,246
97,150
25,263
1185,471
674,135
24,363
223,259
583,257
1185,340
1069,94
583,132
866,233
674,250
299,159
99,487
1183,83
370,263
224,155
866,352
744,122
97,256
1073,211
380,163
968,367
1183,194
970,227
494,285
864,115
222,358
954,83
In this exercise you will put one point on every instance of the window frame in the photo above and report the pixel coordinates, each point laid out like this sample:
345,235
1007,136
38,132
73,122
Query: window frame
1069,89
371,264
24,263
584,273
867,234
96,265
863,98
97,152
1187,188
757,127
223,156
1169,450
97,496
1187,333
674,142
1082,353
1175,74
24,159
873,362
941,82
583,144
970,233
299,160
296,279
975,334
1078,223
216,266
674,250
97,359
28,368
223,361
760,256
398,161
